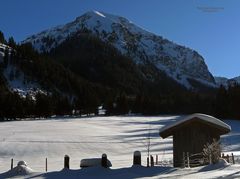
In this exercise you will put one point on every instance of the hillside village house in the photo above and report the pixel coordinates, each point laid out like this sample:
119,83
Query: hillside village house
191,134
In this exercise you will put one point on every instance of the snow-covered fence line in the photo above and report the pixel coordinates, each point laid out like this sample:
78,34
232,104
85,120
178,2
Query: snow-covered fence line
229,158
198,159
195,160
165,163
89,162
43,167
160,161
237,159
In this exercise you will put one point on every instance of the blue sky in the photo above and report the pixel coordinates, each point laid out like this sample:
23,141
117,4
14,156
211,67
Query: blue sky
215,35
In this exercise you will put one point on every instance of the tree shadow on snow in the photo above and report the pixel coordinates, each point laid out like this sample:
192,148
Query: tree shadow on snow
100,173
213,167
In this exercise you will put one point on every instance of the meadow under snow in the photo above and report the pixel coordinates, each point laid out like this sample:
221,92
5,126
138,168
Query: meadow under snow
118,137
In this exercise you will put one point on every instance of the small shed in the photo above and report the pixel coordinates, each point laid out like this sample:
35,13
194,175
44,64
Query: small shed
191,133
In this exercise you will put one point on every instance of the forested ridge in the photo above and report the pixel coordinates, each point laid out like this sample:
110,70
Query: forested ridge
84,73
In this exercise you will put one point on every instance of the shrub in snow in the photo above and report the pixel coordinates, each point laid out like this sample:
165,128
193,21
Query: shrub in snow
212,152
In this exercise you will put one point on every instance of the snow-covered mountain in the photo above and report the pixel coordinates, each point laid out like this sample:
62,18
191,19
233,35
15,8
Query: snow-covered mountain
226,82
179,62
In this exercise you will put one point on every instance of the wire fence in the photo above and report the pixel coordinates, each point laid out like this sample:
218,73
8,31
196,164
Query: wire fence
237,159
50,164
55,164
198,159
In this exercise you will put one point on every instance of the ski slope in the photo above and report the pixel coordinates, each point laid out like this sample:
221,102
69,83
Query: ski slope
118,137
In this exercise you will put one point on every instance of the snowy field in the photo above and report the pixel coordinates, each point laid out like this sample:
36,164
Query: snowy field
118,137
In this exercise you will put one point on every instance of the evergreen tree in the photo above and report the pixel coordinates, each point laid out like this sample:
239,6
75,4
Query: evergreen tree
2,39
221,103
12,43
43,107
122,104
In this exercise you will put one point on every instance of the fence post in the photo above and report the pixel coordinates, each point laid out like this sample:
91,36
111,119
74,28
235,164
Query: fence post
183,160
227,158
233,159
156,159
104,160
46,165
210,158
66,161
147,161
152,161
188,163
137,158
11,163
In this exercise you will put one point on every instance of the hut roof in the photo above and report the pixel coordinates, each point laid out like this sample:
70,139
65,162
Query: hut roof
206,119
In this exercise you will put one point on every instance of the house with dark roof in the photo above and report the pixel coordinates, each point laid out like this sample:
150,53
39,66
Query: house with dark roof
192,133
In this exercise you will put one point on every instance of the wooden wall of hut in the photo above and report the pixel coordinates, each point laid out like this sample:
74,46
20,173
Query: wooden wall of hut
191,138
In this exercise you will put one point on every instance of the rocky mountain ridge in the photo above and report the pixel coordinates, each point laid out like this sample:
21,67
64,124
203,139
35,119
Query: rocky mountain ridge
226,81
178,62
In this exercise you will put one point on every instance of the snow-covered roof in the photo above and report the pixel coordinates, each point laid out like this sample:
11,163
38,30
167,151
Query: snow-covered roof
93,162
166,131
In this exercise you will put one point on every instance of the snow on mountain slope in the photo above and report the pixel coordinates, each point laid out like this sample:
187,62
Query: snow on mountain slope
143,47
226,82
3,47
221,80
17,82
16,79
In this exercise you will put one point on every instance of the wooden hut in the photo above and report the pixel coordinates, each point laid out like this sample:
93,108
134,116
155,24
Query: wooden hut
191,133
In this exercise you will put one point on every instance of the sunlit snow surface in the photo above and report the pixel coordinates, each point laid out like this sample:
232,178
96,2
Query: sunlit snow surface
118,137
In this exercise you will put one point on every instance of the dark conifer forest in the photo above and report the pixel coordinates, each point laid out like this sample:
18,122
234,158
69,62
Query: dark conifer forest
84,73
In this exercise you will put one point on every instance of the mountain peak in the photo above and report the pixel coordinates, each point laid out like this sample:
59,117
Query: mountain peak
178,62
93,13
99,14
104,17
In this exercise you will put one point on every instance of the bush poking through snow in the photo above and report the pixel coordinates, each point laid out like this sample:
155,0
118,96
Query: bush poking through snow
212,152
